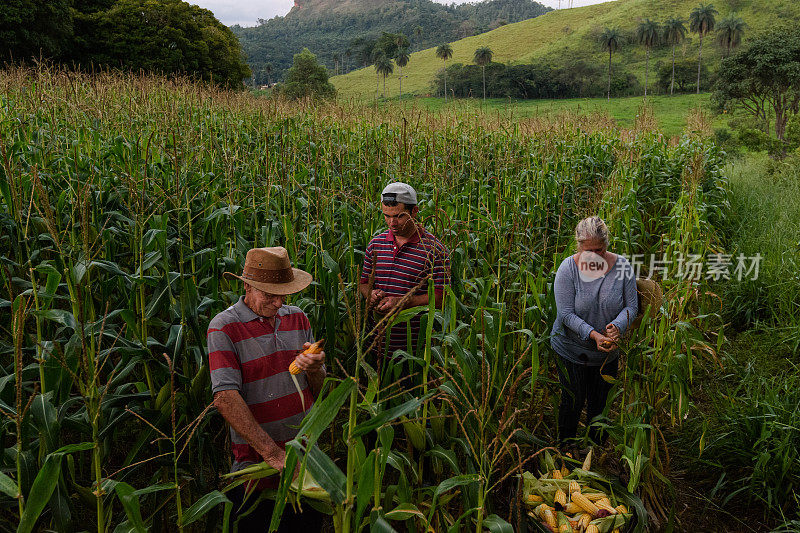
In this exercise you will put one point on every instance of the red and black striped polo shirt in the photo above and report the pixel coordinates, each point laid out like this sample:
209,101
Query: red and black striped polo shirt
400,269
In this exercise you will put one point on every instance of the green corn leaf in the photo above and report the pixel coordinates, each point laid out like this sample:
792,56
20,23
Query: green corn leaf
204,505
390,414
130,502
8,486
365,487
41,490
404,511
495,524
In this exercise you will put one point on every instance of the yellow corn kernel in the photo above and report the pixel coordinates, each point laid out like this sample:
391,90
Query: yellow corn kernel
594,496
314,348
563,524
585,504
591,528
556,474
550,519
541,509
564,471
572,508
605,505
621,509
534,498
560,497
574,487
584,520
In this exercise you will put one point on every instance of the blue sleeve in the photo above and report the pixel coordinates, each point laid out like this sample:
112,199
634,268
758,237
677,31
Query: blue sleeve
564,290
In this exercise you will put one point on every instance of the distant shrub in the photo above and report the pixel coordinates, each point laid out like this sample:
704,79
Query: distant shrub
685,76
307,78
577,79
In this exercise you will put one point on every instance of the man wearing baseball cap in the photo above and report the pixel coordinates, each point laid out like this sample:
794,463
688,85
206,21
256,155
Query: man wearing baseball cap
250,347
400,262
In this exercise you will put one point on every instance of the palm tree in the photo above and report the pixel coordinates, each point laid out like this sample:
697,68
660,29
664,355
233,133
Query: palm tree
674,34
610,40
444,52
647,34
401,59
377,54
483,56
384,67
701,21
729,32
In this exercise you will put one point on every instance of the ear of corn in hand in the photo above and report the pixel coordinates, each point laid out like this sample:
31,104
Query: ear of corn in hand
314,348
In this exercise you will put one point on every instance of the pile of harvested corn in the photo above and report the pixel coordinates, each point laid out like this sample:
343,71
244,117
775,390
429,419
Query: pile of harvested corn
561,500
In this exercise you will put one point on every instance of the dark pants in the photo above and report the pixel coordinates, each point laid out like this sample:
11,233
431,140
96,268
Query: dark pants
582,384
309,521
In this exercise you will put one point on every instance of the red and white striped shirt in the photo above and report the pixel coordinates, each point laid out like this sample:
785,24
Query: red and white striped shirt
399,269
246,354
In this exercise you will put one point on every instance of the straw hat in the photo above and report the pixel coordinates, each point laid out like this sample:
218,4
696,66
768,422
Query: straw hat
269,270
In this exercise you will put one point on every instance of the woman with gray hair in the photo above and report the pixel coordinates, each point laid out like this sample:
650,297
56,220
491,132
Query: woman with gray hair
596,301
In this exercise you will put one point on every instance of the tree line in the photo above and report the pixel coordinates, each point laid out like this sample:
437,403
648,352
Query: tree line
344,41
164,36
569,78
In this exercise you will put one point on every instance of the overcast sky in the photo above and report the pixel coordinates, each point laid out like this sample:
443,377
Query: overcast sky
247,12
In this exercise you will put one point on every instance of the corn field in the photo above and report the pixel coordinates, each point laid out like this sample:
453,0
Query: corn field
125,198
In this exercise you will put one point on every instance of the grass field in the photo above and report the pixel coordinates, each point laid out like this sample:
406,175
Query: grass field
670,113
572,33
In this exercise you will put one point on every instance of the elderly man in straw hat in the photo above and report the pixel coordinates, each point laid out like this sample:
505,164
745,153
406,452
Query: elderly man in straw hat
250,347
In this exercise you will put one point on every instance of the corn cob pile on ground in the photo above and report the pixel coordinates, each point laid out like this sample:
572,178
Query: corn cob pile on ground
574,502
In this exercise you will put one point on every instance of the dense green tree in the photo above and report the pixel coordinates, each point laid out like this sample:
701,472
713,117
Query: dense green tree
389,43
444,52
307,78
763,78
701,21
167,36
482,57
674,34
648,33
402,59
681,76
610,41
35,28
730,31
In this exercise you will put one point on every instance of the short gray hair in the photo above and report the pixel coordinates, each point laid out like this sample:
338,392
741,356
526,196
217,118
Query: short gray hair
591,228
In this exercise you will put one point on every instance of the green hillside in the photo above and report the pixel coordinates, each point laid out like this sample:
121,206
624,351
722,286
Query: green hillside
572,34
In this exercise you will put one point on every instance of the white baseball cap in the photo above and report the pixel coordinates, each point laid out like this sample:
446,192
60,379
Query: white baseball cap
399,192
